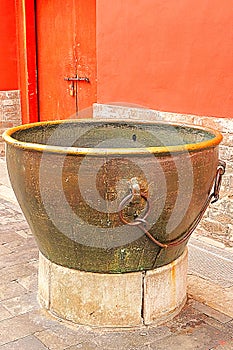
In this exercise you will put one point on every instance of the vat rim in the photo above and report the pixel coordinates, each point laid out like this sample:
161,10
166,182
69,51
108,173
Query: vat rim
156,150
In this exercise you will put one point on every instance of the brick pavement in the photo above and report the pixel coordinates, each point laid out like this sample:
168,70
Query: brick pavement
24,326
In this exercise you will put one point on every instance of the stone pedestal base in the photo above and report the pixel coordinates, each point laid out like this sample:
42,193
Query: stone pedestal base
114,300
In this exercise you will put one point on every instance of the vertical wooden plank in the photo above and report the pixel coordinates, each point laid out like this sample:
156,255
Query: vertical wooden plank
55,58
25,24
86,53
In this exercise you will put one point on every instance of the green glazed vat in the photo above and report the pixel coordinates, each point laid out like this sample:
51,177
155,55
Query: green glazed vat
99,194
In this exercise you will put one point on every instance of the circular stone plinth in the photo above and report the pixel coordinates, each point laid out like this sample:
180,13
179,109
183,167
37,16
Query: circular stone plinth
114,300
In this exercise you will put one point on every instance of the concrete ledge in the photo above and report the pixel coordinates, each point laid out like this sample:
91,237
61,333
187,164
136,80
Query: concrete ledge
212,295
113,300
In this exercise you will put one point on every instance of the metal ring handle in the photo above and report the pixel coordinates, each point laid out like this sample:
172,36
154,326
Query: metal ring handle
133,197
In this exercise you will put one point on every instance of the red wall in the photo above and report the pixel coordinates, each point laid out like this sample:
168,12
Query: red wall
168,55
8,53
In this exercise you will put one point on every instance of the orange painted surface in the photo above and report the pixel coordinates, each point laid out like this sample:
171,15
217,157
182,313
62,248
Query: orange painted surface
55,58
8,50
66,47
167,55
86,54
27,75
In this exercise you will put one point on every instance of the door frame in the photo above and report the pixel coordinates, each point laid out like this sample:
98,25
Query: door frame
27,59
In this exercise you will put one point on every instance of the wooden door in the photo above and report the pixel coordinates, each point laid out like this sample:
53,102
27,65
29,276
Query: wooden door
66,48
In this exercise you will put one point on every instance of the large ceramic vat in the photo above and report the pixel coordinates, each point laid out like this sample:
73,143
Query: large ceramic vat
112,196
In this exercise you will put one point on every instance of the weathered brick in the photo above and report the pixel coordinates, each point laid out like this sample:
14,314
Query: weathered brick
13,117
228,139
10,113
18,327
208,122
4,313
29,342
175,117
226,153
60,337
227,182
21,304
214,226
6,124
8,102
12,94
226,124
30,283
222,218
11,290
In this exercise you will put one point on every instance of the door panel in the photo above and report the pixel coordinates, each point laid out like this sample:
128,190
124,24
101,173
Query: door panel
86,52
66,47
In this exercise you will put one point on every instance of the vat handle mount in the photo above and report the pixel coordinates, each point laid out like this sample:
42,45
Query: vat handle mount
136,195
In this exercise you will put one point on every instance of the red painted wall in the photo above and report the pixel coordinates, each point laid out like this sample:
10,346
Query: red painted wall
8,51
168,55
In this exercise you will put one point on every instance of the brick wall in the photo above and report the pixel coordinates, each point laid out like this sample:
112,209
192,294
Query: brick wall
218,220
10,113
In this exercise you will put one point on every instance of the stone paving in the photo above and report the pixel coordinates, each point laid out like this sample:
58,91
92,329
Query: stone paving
25,326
